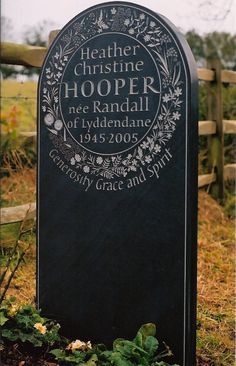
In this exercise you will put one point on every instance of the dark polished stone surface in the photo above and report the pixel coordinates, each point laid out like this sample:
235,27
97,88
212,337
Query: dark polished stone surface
117,179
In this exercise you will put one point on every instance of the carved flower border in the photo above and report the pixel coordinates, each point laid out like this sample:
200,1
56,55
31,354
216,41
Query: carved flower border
142,27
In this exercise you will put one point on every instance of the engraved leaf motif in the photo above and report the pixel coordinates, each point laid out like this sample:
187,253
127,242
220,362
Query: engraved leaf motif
153,45
101,15
107,174
98,21
117,161
119,170
91,159
176,77
140,152
52,131
106,163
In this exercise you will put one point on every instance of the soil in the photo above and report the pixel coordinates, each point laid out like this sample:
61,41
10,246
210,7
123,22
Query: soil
13,356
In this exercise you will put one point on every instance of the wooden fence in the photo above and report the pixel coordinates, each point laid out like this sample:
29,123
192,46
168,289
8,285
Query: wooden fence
214,127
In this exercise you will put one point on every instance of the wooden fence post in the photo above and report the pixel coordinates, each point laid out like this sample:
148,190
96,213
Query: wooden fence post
216,141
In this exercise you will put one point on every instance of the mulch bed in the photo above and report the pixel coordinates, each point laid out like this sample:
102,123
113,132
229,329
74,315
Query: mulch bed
15,356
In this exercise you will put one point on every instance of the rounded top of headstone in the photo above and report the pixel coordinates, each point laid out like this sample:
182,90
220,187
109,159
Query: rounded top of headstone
112,88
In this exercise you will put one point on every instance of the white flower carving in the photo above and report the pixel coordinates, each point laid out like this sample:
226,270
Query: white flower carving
145,145
176,115
86,169
148,159
178,91
58,125
147,29
49,119
157,149
77,158
99,160
147,37
166,98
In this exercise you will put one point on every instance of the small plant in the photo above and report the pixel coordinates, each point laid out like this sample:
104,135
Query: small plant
143,350
24,328
26,325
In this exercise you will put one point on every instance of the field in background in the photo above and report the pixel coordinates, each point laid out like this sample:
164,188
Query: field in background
22,97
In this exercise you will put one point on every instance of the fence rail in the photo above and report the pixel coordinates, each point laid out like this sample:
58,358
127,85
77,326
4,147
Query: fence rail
11,215
214,127
18,54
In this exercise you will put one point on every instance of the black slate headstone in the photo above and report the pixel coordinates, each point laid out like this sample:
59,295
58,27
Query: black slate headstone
117,178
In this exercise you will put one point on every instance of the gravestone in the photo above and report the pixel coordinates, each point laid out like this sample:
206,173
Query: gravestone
117,178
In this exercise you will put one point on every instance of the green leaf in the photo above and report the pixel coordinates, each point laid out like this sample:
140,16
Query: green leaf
3,319
138,340
126,348
148,329
24,320
118,360
74,358
117,342
58,353
151,345
106,354
92,361
9,334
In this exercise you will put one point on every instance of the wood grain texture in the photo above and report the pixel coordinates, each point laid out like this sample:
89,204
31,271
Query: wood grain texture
206,127
206,74
229,126
205,179
25,55
230,171
228,76
18,213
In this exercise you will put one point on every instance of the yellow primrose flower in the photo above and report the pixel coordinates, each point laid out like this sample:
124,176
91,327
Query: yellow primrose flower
12,310
40,327
82,346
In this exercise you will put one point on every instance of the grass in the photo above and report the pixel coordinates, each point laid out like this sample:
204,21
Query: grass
19,188
215,334
22,97
216,301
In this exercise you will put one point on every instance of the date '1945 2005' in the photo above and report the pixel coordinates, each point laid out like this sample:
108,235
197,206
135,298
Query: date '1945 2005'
111,138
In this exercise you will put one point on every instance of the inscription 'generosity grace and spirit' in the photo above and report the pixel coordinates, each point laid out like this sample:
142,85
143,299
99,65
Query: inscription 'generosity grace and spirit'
118,151
109,101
